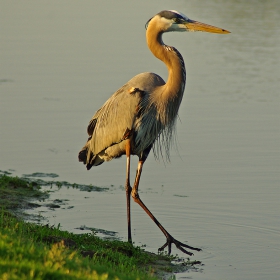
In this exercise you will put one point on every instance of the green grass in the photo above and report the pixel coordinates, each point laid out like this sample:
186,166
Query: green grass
31,251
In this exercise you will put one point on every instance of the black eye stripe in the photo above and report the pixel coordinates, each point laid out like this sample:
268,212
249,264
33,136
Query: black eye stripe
170,15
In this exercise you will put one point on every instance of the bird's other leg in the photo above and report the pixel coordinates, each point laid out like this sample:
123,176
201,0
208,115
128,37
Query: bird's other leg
128,190
169,238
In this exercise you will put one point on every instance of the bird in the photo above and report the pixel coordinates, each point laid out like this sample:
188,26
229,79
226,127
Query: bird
141,115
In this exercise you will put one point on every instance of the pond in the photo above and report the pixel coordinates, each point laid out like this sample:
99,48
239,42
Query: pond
60,61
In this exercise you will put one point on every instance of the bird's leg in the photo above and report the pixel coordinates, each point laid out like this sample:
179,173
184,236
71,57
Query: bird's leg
169,238
128,190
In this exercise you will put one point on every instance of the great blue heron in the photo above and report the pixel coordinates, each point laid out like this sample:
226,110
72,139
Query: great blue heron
144,112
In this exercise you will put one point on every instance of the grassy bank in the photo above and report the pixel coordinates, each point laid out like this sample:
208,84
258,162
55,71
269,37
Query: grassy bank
30,251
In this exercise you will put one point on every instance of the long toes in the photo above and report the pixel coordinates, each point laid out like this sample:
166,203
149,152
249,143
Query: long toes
189,247
163,246
184,251
179,245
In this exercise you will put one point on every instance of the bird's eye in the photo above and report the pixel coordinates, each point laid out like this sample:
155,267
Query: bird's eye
177,20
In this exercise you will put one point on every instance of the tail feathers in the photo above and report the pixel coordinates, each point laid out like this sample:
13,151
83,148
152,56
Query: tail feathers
83,155
83,158
89,159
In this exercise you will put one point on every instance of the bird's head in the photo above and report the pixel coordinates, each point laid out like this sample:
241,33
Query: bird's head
171,20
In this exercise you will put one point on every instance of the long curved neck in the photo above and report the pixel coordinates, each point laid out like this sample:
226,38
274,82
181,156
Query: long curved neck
175,85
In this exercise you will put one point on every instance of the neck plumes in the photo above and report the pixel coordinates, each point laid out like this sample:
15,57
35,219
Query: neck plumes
172,91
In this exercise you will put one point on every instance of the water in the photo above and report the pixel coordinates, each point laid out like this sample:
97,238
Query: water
59,63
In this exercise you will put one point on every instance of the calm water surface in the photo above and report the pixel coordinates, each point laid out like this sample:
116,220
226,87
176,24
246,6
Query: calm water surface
61,60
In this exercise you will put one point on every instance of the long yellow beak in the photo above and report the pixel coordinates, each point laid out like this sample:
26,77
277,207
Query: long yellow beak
193,25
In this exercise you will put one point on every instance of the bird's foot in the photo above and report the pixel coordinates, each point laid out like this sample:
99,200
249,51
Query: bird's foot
179,245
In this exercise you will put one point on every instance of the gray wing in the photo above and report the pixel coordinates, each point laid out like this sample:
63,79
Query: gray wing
109,125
